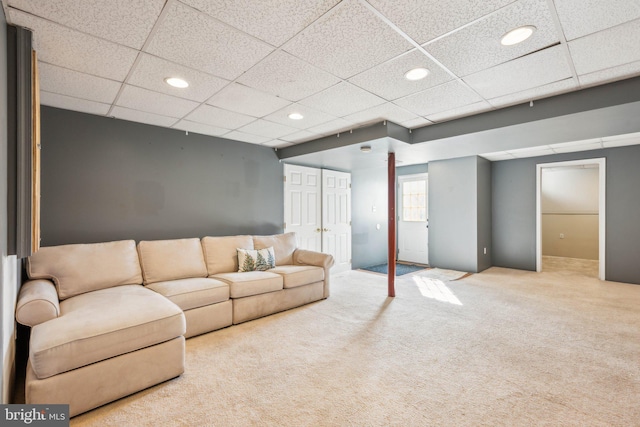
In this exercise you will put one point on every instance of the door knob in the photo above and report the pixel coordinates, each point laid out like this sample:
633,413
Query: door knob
325,229
318,230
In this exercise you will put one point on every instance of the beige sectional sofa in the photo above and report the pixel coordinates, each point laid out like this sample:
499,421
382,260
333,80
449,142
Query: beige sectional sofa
110,319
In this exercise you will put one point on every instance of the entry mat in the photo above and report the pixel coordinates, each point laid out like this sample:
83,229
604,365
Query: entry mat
401,269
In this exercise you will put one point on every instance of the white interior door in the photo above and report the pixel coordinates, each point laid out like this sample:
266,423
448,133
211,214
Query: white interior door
413,219
336,218
302,205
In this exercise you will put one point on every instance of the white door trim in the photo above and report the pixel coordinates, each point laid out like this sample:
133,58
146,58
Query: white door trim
601,162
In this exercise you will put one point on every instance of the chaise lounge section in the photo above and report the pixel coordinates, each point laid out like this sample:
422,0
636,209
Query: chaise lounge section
96,333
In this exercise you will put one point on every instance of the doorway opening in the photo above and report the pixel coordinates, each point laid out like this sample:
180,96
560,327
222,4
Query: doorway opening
413,219
570,217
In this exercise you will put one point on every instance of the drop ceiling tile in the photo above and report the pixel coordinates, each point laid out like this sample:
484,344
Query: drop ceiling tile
416,123
478,47
530,71
621,143
78,85
438,99
609,75
150,72
192,38
276,143
246,100
463,111
301,136
333,127
74,104
274,21
543,91
218,117
126,22
268,129
288,77
72,49
387,79
497,156
153,102
633,135
531,152
572,143
342,99
247,137
387,111
425,20
582,17
200,128
347,40
606,49
575,147
311,118
142,117
621,140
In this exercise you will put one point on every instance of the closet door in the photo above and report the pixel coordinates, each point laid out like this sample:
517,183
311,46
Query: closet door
336,218
302,205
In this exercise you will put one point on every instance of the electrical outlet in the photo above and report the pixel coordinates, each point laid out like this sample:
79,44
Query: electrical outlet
562,235
485,251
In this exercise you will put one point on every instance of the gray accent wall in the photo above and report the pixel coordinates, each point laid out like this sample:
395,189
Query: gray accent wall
460,214
106,179
514,211
368,244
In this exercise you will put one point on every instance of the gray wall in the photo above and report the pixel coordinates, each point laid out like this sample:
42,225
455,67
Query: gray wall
514,211
368,244
106,179
453,214
412,170
369,188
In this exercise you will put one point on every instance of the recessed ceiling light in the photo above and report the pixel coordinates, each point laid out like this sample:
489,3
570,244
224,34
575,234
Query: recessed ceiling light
365,148
416,74
296,116
176,82
517,35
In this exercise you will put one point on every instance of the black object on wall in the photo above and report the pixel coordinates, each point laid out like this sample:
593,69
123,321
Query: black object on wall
19,141
106,179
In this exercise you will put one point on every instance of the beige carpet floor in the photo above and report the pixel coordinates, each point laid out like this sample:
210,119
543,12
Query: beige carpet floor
587,267
499,348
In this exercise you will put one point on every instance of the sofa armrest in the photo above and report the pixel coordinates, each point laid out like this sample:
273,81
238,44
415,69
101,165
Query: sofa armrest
319,259
37,302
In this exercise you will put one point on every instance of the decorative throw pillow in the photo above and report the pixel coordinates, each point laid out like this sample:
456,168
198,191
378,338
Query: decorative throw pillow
256,259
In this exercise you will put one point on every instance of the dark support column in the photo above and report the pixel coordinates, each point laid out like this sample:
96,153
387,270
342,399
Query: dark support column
391,273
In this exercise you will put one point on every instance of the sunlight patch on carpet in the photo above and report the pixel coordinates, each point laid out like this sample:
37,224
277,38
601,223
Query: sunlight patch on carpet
442,274
435,289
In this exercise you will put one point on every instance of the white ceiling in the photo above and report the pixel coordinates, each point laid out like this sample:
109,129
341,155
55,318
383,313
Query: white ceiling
339,63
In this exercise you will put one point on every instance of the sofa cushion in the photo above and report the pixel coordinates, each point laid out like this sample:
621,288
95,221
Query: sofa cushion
102,324
163,260
251,283
299,275
221,253
284,246
192,293
80,268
